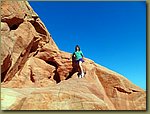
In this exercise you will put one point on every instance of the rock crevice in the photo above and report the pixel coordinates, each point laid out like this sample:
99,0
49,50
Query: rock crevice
56,74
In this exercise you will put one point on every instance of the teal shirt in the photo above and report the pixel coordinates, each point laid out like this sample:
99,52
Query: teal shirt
78,55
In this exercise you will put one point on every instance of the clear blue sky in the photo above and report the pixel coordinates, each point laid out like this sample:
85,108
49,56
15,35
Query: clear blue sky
113,34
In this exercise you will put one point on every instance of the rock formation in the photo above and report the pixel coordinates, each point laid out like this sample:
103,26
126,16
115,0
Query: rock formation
36,75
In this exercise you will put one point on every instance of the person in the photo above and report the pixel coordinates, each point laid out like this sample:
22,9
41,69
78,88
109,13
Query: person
78,55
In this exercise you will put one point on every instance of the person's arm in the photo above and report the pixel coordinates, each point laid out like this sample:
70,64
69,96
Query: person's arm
82,54
72,55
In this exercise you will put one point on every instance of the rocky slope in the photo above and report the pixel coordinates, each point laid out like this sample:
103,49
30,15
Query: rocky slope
36,75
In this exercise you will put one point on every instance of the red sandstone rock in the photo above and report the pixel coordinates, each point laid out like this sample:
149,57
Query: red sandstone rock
36,75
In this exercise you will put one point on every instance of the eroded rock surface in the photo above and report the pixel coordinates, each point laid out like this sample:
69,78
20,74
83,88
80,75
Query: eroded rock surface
36,75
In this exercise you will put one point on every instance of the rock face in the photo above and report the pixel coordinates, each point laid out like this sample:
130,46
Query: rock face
36,75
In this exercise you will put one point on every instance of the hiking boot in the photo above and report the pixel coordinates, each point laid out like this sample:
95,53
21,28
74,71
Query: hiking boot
82,74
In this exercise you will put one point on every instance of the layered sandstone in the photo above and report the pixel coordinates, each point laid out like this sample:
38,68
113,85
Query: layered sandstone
36,75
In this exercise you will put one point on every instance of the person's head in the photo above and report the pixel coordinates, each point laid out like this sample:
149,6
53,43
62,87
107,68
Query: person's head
77,48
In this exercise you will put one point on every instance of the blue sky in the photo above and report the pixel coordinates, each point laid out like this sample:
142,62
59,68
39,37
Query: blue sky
113,34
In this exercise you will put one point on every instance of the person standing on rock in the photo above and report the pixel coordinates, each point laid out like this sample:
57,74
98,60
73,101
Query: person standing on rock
78,55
